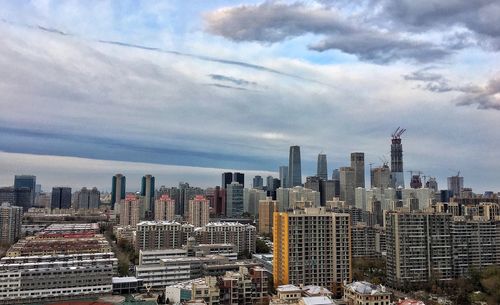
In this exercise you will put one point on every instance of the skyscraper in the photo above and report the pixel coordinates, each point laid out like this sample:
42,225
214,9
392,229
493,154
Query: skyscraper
227,178
266,209
61,198
148,192
284,176
322,168
455,184
117,189
381,177
88,199
397,175
312,247
358,164
347,183
28,181
240,178
294,167
258,182
10,223
234,200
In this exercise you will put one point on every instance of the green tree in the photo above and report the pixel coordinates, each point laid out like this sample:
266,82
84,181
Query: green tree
261,246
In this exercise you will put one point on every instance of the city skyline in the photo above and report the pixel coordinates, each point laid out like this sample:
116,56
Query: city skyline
324,96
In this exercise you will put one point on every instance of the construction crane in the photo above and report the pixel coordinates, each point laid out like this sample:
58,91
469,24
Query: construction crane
397,133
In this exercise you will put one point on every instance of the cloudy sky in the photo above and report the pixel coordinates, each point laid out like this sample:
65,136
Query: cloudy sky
184,89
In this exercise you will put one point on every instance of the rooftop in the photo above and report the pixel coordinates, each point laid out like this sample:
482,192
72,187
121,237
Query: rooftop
366,288
321,300
288,288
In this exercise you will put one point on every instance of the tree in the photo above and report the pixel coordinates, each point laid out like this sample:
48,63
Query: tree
261,246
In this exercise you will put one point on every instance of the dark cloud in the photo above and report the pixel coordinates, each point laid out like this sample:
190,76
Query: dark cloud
271,22
480,17
484,98
436,82
226,86
234,80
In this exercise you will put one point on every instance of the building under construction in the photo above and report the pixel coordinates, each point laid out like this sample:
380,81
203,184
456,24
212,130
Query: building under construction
397,174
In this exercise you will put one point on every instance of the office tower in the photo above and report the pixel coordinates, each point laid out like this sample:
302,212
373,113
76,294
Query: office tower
26,181
283,170
234,200
312,183
130,210
358,164
455,185
10,223
381,177
397,174
217,198
164,208
148,192
419,248
199,211
298,196
327,189
312,247
269,183
240,178
294,167
186,193
322,168
227,178
336,181
266,209
251,198
61,198
347,185
283,199
88,199
20,197
258,182
117,189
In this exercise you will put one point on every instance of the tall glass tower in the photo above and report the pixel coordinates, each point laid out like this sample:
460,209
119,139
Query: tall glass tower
322,171
117,189
28,181
294,167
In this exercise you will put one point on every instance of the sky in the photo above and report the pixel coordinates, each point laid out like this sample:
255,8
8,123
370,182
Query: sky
185,90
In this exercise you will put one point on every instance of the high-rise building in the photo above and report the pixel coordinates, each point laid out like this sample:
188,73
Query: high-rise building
117,189
29,181
186,193
347,185
227,178
258,182
199,211
336,181
312,247
455,185
88,199
269,183
322,168
251,198
294,167
148,193
381,177
164,208
243,236
217,198
397,174
10,223
61,198
432,184
240,178
266,209
234,200
419,247
162,235
358,164
130,210
283,170
20,197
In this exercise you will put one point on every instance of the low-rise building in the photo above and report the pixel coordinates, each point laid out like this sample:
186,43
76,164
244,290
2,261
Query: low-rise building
366,293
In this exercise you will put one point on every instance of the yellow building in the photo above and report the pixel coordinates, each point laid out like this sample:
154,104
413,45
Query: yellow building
312,247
